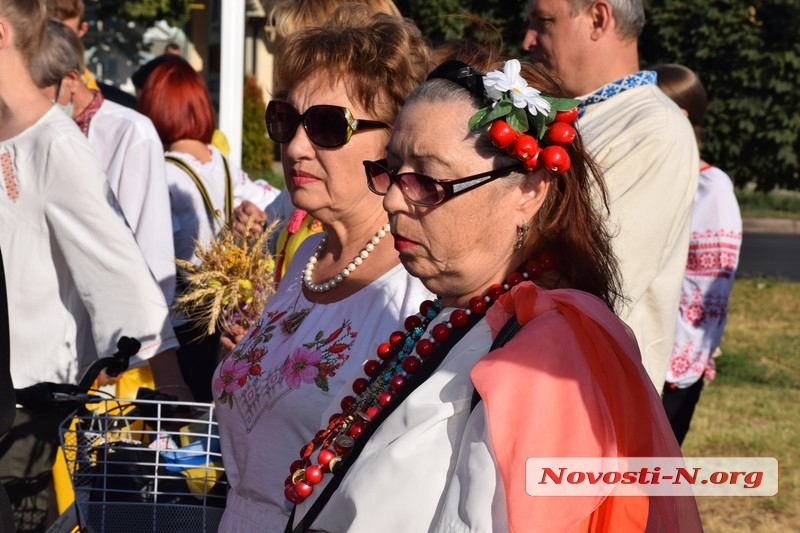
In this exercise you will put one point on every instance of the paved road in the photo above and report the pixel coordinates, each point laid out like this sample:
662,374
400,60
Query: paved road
770,254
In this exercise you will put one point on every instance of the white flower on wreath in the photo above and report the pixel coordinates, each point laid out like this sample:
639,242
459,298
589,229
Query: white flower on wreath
497,84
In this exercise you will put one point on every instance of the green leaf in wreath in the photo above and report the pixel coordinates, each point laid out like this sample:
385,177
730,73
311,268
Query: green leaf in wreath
502,109
563,104
518,119
540,125
476,118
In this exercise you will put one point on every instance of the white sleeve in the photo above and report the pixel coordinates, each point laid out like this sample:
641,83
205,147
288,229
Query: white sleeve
143,195
110,274
475,498
259,192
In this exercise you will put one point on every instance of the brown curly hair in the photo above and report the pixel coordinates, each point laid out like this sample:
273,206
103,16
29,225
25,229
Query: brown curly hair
379,57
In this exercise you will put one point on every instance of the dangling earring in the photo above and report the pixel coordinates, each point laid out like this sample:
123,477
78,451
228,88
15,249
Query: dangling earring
522,233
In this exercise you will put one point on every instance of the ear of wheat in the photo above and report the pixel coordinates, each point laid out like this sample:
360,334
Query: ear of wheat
232,283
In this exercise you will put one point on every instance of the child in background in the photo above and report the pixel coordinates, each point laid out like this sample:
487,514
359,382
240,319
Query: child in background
715,241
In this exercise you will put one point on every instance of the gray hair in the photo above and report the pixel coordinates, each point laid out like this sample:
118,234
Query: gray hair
60,54
628,14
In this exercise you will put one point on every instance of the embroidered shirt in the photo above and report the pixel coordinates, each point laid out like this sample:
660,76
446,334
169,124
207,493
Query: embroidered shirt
297,360
85,117
637,79
714,245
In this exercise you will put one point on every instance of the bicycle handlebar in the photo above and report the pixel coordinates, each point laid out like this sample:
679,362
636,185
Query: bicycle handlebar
44,395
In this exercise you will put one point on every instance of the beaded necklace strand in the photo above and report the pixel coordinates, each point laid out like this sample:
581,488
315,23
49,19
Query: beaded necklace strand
351,266
397,360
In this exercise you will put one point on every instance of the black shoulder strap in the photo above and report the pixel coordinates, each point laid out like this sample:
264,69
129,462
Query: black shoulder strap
212,213
509,329
417,379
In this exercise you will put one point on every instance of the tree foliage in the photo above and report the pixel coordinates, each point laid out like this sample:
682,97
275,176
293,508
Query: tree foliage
746,52
257,147
145,12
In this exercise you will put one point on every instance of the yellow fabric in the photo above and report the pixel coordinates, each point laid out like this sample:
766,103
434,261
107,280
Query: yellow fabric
130,381
91,83
127,386
288,244
220,142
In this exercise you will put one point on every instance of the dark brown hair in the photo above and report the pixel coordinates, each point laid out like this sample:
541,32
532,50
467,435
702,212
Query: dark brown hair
570,225
684,88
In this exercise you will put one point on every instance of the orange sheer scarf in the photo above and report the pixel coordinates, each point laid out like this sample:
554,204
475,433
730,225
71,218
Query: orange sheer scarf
571,384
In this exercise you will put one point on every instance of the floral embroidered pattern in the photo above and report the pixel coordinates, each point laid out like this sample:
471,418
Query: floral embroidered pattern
313,362
9,177
301,367
244,362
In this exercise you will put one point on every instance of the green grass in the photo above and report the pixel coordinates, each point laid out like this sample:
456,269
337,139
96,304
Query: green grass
773,204
751,409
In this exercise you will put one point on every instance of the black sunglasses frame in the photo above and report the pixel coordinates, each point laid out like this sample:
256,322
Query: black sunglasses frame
353,124
447,190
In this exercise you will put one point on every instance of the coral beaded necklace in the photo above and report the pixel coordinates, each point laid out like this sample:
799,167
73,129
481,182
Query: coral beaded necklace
402,364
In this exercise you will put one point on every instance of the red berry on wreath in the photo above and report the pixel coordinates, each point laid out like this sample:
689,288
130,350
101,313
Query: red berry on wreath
525,147
567,117
501,134
561,133
534,162
555,159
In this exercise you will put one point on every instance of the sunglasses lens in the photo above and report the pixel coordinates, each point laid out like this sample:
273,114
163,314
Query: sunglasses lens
282,121
327,126
420,189
378,177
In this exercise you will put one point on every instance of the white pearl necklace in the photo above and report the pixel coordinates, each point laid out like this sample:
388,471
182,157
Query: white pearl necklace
357,260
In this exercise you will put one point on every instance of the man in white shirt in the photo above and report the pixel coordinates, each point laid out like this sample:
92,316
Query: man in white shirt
127,144
76,279
642,142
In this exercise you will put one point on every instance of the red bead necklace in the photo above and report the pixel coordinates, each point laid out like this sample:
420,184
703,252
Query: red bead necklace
402,356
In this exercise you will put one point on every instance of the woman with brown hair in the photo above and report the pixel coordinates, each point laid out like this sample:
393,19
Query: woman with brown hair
488,189
341,86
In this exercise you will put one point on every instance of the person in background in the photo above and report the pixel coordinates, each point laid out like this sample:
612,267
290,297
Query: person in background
139,78
71,13
76,279
643,143
204,187
173,48
341,86
289,16
714,245
520,356
127,143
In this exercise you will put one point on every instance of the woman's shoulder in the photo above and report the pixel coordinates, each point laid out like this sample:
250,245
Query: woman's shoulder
565,320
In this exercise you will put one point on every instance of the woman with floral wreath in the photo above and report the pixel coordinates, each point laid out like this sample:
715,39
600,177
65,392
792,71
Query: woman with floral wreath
342,84
519,356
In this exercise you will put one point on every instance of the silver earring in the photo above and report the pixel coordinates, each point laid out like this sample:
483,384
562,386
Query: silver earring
522,233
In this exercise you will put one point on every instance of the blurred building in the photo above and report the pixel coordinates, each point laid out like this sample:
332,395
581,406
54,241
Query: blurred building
116,48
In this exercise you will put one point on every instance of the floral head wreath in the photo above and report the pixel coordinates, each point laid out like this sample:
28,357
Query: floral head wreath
526,124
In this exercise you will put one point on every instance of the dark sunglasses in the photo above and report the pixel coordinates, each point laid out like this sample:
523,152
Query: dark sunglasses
328,126
424,190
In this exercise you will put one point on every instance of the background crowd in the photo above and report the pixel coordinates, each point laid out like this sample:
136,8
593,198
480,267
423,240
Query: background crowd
603,258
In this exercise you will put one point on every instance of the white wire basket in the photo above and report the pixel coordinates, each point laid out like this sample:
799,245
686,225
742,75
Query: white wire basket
146,466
